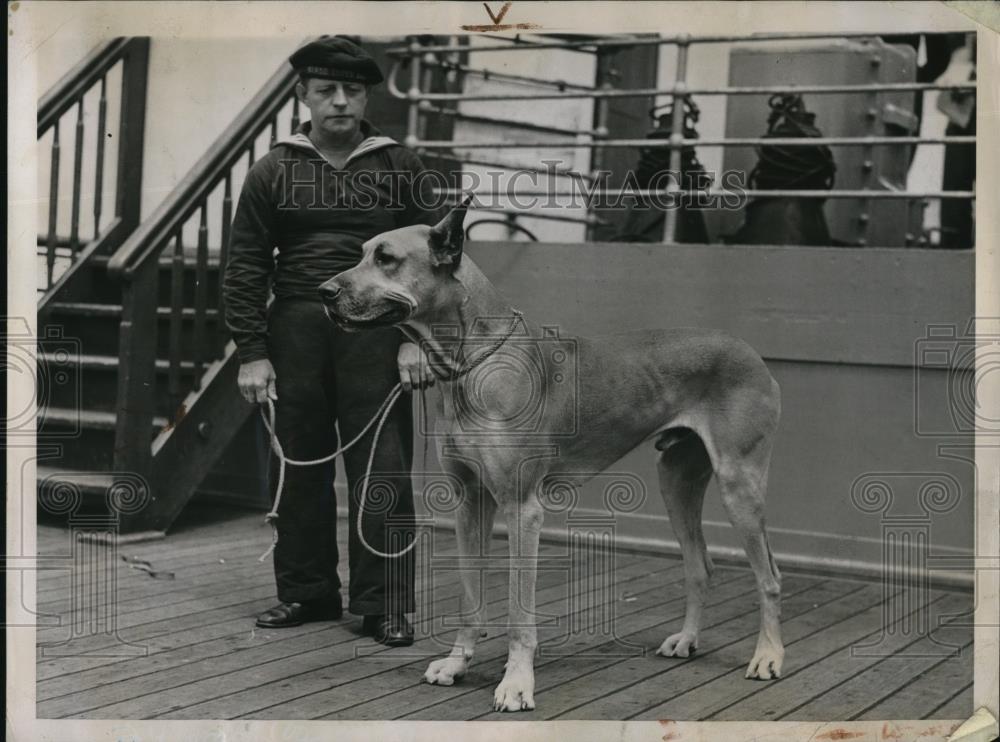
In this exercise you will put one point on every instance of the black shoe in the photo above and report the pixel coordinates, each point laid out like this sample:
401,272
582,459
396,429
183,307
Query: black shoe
393,631
285,615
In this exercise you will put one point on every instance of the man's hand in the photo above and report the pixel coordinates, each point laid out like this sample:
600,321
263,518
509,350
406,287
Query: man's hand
414,369
256,381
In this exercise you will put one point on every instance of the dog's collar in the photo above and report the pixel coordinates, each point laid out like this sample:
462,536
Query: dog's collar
481,358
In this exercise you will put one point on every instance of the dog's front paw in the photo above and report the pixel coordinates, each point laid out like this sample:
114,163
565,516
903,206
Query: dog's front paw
445,671
766,663
515,692
679,645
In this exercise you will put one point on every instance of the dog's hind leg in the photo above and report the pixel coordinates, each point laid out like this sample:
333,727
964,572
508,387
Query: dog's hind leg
743,484
685,470
473,528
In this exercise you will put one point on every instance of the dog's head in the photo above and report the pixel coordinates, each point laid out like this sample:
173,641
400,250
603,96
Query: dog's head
401,276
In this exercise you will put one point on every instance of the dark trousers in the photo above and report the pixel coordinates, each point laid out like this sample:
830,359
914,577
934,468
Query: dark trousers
326,375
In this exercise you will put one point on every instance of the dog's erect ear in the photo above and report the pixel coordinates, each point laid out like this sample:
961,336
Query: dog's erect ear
448,237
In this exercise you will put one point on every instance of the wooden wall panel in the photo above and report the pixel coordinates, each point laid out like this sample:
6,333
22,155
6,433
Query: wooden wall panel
829,305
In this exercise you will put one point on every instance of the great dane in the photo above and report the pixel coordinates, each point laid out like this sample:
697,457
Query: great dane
706,400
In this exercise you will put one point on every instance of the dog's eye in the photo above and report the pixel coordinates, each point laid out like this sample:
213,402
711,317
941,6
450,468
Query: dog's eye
382,259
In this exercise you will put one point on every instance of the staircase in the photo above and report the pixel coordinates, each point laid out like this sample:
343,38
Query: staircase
81,340
137,400
77,358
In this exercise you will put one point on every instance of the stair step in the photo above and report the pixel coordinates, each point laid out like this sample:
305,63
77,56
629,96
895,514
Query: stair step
92,419
108,362
97,286
90,309
166,259
87,482
84,492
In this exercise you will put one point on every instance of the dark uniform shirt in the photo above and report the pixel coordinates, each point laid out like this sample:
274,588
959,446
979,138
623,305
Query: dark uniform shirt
317,217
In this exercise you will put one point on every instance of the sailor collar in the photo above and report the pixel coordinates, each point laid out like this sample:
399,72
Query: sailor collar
373,140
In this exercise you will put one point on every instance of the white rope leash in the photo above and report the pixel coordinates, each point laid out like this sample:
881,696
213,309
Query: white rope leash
381,415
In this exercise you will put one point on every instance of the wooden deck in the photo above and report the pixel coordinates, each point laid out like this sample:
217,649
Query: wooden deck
195,653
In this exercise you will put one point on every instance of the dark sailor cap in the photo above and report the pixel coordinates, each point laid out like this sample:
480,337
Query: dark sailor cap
336,58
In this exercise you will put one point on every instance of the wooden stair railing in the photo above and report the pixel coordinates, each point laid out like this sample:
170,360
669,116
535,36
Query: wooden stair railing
129,58
208,410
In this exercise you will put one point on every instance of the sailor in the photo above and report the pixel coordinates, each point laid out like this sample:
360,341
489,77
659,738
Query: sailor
304,212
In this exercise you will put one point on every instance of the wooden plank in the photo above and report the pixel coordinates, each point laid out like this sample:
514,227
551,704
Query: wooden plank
102,119
58,538
197,682
201,298
628,687
310,690
54,676
832,663
49,538
131,130
398,692
883,680
136,381
97,700
737,625
222,332
240,610
155,614
91,647
196,648
162,593
186,454
646,628
721,682
185,625
135,583
185,556
205,537
953,673
189,595
587,652
236,574
250,531
208,643
247,550
958,706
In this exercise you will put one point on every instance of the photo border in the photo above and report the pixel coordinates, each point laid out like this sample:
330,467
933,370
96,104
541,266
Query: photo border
32,23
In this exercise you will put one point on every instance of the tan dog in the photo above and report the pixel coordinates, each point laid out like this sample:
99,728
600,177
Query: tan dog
706,399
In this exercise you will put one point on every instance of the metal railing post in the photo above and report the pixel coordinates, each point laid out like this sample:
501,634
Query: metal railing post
676,143
425,106
413,95
597,159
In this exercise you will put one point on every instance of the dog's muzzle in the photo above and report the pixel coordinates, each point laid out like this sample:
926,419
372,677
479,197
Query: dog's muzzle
329,292
351,314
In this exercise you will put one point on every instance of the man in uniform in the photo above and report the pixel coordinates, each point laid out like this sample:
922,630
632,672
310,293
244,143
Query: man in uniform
316,197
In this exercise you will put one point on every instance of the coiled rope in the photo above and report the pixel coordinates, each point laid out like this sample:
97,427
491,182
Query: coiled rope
267,414
272,516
